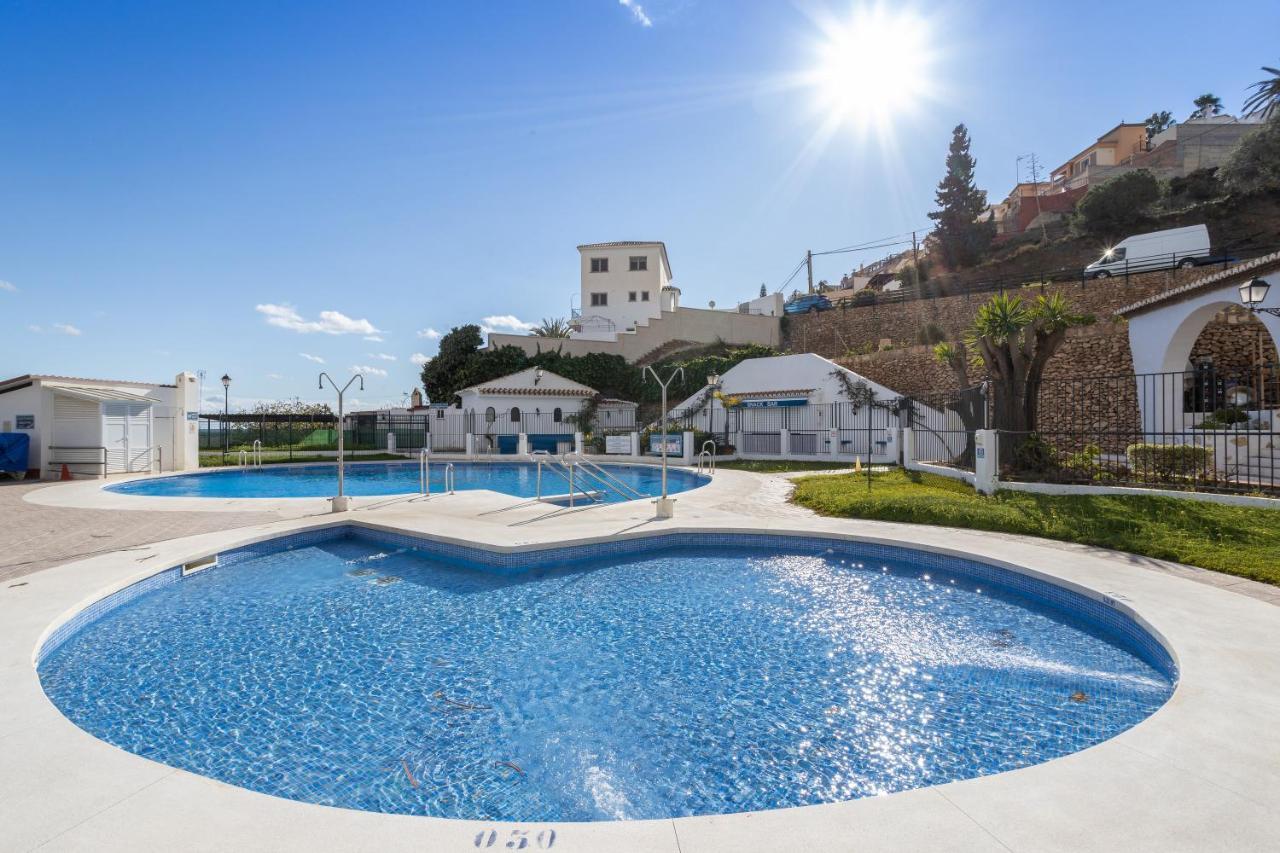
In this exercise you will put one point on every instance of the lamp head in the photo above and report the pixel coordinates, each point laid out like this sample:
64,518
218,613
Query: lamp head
1254,292
226,381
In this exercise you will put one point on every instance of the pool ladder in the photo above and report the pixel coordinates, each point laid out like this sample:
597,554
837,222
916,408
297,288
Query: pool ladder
707,458
424,474
567,469
255,459
593,474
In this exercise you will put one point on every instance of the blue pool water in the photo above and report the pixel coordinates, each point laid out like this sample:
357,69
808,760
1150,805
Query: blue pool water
394,478
694,678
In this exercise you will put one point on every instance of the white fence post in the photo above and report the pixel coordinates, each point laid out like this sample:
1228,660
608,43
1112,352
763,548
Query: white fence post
470,446
833,438
391,441
522,444
985,461
635,444
687,448
577,442
908,447
784,442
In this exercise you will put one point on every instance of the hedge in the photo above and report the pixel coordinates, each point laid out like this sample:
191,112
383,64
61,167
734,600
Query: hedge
1169,461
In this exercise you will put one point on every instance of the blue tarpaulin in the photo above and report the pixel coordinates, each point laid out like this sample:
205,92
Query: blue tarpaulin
13,451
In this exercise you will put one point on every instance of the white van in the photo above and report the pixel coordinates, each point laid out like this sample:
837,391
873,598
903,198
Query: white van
1159,250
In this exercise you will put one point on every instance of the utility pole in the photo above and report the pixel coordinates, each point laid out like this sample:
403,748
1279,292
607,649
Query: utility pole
915,254
1033,165
808,260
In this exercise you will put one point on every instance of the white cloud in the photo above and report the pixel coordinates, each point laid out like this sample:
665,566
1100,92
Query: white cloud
66,329
8,285
34,328
364,368
309,357
637,12
429,333
274,376
375,339
330,322
508,323
419,358
383,355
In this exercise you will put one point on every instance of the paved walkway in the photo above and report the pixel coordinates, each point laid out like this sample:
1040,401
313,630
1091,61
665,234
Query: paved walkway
35,537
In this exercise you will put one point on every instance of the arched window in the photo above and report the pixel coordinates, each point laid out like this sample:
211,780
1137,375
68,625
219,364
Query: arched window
515,414
490,415
557,416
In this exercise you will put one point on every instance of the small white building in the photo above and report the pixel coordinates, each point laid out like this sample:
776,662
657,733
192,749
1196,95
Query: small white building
625,284
789,381
531,394
99,426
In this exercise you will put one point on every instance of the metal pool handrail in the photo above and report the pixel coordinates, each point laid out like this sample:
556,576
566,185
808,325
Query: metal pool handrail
448,477
604,477
257,453
424,472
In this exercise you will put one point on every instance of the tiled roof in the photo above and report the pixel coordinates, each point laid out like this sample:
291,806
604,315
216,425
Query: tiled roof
789,392
1212,281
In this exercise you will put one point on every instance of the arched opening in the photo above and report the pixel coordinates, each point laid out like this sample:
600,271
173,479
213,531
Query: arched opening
1232,365
515,414
557,416
490,415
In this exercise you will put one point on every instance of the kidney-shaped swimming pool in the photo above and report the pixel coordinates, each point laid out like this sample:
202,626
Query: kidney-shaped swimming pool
656,677
519,479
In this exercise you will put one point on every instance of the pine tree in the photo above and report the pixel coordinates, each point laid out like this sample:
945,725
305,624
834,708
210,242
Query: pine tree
961,238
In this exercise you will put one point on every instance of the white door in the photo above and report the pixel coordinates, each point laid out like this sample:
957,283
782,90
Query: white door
126,433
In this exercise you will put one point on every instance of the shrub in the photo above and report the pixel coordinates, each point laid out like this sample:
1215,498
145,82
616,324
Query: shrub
1169,461
1117,206
931,334
1034,455
866,296
1253,166
1199,185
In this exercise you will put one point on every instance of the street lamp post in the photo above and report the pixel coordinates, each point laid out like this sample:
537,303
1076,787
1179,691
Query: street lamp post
666,506
226,407
713,385
340,502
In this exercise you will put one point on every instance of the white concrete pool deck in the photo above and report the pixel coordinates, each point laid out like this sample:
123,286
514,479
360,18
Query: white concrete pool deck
1203,773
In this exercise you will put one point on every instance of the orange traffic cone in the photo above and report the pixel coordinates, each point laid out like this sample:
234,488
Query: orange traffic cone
66,472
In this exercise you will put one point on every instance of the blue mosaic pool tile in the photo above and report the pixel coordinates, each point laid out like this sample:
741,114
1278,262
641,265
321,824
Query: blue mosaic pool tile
1105,619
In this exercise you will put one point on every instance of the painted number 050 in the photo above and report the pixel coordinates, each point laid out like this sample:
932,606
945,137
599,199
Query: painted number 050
517,839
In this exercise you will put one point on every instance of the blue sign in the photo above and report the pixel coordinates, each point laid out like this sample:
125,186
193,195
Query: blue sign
773,404
675,444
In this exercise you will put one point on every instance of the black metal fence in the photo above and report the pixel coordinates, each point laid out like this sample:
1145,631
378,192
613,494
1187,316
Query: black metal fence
943,425
1080,276
816,430
1206,430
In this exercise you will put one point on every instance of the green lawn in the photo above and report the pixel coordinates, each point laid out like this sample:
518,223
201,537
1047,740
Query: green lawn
780,466
214,460
1239,541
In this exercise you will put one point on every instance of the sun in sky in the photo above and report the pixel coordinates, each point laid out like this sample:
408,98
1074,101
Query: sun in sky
872,67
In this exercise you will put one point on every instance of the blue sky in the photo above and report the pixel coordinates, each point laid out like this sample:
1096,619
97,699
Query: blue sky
249,188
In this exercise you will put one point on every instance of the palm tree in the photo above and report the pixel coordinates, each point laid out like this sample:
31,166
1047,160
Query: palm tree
556,327
1157,122
1207,105
1266,95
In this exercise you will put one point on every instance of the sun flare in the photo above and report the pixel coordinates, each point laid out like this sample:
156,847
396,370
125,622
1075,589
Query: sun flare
873,67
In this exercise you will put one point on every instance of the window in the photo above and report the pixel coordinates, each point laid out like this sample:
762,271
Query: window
440,414
599,300
644,296
631,297
557,416
490,415
599,264
639,263
515,414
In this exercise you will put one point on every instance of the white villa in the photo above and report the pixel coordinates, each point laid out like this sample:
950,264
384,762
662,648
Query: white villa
629,307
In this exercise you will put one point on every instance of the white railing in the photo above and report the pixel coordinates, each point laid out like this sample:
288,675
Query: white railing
424,473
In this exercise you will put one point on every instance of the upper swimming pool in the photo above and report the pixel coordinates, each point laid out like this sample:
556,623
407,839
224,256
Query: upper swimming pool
519,479
672,675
